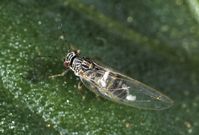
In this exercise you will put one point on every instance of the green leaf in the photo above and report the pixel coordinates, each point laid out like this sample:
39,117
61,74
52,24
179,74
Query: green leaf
155,42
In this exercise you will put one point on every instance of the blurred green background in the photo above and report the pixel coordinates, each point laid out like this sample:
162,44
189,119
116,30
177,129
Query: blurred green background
156,42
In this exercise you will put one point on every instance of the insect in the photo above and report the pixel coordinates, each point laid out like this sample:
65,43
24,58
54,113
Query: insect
115,86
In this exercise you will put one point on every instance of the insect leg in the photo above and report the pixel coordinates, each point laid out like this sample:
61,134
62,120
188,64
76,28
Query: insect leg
79,86
58,75
80,90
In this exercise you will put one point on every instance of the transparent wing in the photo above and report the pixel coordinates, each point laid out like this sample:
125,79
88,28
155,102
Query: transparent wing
122,89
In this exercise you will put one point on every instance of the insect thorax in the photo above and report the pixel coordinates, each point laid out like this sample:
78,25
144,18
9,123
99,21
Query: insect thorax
80,65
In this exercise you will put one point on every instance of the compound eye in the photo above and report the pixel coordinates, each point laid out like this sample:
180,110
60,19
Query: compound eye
66,64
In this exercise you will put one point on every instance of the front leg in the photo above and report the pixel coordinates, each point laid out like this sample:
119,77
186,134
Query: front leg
58,75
